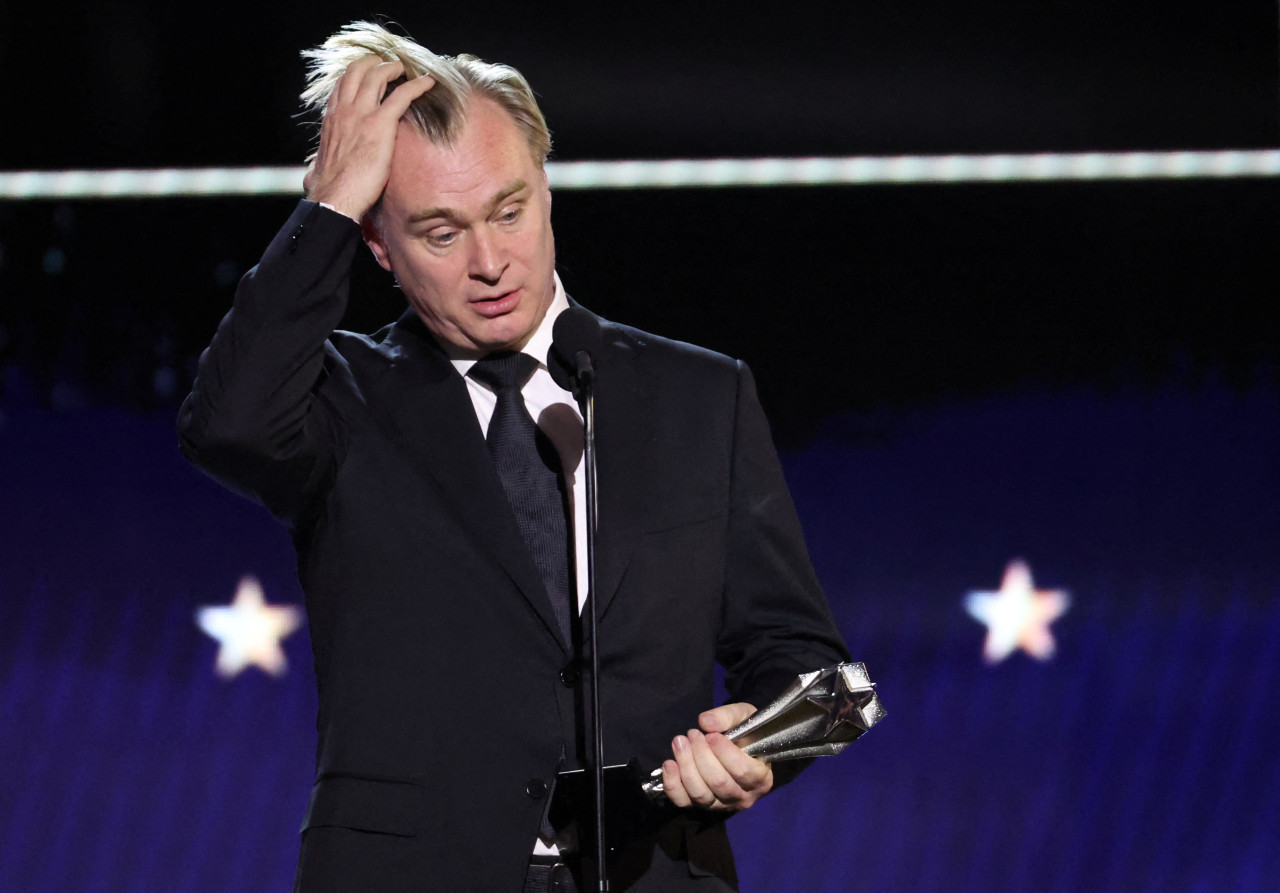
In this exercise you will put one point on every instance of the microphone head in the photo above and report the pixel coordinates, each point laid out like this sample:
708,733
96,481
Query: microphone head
576,331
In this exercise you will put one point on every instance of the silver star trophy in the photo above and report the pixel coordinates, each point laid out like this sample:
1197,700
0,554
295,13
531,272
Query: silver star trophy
819,715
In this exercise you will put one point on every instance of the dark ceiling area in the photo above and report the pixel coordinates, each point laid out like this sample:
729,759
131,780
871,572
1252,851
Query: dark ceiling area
136,84
841,298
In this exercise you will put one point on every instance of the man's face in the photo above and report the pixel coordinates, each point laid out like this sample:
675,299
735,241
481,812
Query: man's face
467,232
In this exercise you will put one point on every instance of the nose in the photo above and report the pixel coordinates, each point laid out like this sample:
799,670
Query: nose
488,260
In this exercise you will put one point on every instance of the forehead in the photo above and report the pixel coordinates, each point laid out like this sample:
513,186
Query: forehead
489,153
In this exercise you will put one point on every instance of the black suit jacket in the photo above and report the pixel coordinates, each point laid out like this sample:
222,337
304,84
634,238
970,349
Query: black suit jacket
447,696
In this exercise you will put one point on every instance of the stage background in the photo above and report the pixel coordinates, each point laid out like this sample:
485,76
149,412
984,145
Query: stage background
1082,376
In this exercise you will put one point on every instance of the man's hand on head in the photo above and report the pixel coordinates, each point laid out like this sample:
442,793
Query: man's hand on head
358,135
709,770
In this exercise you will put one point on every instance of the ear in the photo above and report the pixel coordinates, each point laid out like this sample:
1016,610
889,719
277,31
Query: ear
373,238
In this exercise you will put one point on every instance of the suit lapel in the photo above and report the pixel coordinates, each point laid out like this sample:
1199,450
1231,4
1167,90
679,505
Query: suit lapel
426,403
624,425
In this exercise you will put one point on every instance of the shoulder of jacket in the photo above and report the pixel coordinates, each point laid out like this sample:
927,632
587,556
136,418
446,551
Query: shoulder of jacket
661,352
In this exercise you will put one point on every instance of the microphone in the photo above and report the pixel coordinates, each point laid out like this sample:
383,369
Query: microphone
576,338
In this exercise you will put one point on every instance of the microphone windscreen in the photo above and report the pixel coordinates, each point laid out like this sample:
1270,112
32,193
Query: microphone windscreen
575,330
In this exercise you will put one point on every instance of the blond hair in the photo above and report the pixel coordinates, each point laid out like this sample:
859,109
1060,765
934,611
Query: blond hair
440,112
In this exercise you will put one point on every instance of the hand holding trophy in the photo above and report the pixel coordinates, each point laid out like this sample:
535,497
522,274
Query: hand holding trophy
820,714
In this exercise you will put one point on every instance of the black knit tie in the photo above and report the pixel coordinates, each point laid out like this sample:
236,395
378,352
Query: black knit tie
529,467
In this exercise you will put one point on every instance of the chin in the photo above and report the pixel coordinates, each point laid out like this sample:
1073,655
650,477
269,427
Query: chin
502,337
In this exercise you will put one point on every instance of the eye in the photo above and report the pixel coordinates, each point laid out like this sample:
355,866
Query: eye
442,237
510,216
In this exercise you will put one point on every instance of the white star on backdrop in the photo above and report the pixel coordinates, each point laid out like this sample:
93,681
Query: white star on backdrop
249,631
1017,615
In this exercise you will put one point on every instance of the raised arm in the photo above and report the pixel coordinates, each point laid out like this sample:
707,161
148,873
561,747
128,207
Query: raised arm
256,419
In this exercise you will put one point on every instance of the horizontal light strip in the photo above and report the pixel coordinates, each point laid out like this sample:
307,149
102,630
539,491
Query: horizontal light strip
855,170
153,183
862,170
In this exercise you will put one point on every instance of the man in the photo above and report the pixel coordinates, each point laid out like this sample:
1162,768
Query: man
448,665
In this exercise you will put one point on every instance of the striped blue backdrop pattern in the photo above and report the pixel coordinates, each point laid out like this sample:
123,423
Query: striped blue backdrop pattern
1144,756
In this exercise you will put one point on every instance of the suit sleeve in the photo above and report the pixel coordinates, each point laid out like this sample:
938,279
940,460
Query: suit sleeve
255,419
776,621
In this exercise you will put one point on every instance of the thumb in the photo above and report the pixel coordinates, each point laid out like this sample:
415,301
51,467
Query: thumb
725,717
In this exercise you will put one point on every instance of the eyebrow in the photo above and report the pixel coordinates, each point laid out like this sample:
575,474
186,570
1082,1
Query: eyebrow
456,216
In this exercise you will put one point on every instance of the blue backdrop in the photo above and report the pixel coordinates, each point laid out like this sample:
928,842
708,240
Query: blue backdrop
1142,756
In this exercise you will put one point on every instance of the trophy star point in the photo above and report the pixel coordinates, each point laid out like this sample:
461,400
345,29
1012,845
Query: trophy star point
1017,615
843,706
249,631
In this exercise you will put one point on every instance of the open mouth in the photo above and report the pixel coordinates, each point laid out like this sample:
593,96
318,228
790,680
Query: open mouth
498,304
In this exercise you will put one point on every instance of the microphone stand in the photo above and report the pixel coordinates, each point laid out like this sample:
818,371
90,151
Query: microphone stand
587,400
